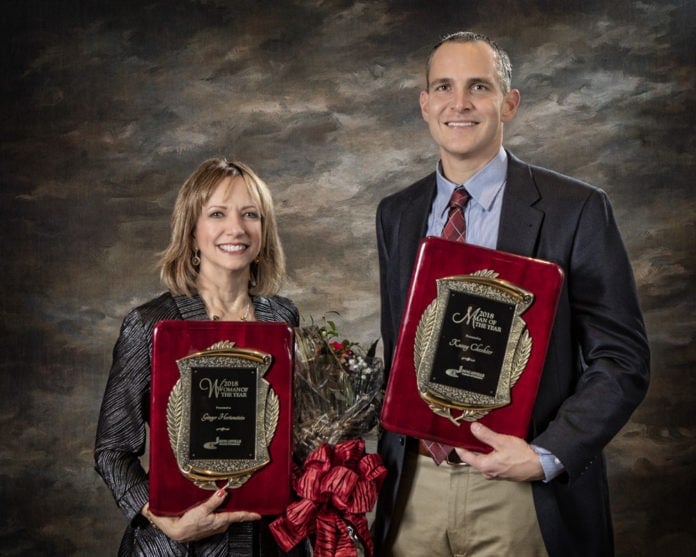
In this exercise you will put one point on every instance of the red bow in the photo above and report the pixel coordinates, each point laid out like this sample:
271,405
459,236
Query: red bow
339,485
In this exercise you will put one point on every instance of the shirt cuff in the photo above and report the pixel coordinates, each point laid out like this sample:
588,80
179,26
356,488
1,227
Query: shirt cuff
551,465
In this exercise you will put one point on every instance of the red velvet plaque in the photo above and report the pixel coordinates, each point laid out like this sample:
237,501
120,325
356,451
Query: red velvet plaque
221,415
472,343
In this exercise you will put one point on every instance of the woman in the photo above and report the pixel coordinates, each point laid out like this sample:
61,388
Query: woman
224,262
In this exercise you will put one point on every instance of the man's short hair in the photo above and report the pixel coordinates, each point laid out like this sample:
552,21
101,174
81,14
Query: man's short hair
502,59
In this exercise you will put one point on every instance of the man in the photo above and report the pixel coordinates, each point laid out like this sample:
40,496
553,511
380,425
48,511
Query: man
548,494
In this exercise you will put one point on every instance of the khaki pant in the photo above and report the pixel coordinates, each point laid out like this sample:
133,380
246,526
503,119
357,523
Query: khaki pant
452,511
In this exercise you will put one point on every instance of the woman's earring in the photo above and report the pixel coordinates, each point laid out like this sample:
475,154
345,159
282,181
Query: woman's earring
196,260
254,271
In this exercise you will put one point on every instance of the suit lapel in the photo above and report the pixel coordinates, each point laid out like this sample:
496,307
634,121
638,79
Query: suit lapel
520,221
191,308
412,227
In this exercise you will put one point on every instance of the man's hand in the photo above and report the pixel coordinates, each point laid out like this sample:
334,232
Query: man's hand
199,522
512,458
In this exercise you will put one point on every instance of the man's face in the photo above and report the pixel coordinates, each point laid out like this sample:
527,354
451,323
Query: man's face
464,106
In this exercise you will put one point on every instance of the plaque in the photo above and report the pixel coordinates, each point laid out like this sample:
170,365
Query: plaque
472,343
221,415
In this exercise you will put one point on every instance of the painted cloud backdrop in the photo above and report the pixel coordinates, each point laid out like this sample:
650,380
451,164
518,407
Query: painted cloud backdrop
108,106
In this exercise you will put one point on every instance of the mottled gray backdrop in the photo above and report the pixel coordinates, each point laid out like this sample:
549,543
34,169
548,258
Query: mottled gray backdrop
107,106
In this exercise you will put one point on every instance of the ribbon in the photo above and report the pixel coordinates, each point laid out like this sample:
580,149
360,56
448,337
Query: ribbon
338,487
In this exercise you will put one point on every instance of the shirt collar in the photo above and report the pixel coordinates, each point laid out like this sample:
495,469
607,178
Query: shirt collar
483,187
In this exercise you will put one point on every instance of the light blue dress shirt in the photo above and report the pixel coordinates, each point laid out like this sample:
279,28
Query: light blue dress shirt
482,214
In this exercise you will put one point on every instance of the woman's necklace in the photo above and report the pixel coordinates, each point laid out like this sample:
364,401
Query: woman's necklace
242,318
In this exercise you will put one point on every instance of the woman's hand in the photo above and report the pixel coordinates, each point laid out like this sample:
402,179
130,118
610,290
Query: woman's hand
199,522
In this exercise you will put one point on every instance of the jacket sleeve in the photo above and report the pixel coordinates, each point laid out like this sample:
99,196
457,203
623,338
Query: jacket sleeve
121,435
387,329
607,328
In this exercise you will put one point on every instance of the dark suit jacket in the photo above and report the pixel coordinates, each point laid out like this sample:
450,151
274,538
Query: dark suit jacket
597,368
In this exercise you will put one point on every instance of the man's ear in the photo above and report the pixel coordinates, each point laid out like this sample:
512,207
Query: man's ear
424,104
511,103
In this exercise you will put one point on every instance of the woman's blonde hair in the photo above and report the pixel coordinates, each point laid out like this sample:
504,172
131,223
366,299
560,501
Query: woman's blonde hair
177,269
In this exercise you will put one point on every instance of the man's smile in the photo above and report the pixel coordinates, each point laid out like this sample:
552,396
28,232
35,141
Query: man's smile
459,124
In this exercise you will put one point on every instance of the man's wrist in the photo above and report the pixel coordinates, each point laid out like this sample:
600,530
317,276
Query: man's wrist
551,465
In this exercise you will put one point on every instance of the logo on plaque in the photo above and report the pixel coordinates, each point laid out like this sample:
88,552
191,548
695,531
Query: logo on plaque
222,415
472,345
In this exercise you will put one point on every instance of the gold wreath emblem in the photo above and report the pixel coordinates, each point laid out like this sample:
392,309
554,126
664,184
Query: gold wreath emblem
205,473
446,400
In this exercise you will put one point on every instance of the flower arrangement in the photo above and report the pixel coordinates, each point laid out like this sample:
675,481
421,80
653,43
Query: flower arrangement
338,388
338,395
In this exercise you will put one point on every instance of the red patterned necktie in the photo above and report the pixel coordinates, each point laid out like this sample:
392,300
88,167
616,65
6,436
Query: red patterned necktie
454,229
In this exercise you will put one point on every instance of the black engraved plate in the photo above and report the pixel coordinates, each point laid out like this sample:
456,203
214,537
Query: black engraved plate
223,413
472,343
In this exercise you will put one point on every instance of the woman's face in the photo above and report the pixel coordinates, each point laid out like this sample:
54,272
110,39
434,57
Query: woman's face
228,231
